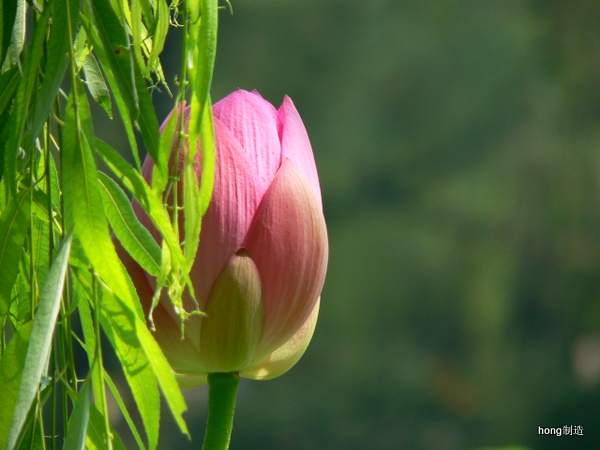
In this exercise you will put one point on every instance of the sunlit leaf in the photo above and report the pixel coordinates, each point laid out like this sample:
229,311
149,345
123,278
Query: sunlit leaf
40,342
96,433
96,84
121,327
23,97
56,63
11,368
84,212
14,222
17,35
129,333
134,237
123,408
78,421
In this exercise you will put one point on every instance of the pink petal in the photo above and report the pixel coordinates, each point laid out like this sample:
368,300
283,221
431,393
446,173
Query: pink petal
288,242
295,144
228,218
253,122
285,357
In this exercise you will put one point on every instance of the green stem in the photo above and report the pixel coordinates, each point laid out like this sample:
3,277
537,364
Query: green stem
222,390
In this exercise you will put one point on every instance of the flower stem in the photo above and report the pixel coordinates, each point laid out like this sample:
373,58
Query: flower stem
222,390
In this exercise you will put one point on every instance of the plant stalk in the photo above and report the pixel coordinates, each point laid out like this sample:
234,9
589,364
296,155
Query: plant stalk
222,391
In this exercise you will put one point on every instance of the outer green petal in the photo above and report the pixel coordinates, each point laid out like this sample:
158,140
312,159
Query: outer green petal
235,317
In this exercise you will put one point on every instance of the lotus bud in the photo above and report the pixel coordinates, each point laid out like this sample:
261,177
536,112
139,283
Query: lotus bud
263,249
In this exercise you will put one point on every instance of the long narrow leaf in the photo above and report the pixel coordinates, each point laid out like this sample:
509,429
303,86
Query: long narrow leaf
151,203
56,64
11,368
17,36
23,97
124,335
96,435
134,237
122,324
8,83
78,422
123,408
38,350
115,52
84,212
13,231
96,84
7,21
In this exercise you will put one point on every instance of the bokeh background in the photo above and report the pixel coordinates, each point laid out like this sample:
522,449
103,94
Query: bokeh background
458,144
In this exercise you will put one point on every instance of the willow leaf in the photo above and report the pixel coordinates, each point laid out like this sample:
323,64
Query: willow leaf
38,350
56,62
96,84
124,98
123,408
116,52
8,84
84,213
120,327
83,200
78,421
97,437
11,368
159,34
8,12
23,97
115,45
201,60
134,237
151,203
14,222
40,250
96,433
17,35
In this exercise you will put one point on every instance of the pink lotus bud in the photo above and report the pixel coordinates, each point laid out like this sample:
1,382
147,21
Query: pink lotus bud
263,249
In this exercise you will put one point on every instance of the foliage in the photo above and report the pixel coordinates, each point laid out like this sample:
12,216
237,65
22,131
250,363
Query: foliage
458,151
62,284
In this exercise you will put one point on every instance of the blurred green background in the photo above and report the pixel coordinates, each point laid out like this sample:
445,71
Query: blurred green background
458,144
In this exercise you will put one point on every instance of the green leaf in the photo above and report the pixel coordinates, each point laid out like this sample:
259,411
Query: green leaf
40,250
112,46
121,327
11,368
125,102
167,146
8,11
17,36
8,83
14,222
96,84
96,433
201,60
56,61
38,350
25,90
84,212
121,404
134,237
149,201
159,34
82,290
142,355
78,421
